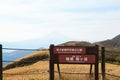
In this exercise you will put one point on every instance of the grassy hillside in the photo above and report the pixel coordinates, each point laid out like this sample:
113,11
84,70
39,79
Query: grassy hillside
28,60
77,43
32,68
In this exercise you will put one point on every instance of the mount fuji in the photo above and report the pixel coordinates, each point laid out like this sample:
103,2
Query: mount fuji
39,43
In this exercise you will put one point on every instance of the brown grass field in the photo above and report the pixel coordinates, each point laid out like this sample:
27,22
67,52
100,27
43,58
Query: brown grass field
40,70
30,72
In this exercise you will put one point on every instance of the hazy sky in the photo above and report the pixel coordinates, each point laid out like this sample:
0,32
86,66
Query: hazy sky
89,20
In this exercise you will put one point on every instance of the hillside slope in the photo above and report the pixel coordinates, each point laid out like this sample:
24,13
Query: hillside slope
112,42
28,60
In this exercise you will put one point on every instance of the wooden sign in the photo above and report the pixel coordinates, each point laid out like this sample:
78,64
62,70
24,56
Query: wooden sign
73,55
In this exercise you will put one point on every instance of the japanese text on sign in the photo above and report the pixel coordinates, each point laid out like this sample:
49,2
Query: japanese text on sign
77,59
70,50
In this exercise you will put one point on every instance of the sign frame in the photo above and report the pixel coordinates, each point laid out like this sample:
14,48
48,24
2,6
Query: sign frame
89,50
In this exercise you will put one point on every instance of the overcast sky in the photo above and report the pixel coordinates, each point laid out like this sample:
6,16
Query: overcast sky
89,20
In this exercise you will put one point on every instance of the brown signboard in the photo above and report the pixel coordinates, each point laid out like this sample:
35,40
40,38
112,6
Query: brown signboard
77,59
73,55
69,50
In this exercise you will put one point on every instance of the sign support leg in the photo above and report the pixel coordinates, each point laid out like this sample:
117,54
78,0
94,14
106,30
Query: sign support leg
59,71
90,70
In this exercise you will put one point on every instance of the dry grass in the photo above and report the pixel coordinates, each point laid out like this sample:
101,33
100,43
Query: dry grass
42,66
29,70
113,69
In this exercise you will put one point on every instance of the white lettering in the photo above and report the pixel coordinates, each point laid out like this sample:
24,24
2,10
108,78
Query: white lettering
77,59
85,59
67,58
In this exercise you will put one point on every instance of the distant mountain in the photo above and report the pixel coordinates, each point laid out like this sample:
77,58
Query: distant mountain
40,43
111,42
44,42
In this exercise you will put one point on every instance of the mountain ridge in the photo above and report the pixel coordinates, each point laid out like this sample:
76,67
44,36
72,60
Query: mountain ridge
114,42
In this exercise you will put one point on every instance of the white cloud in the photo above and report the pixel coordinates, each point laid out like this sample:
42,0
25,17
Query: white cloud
24,19
17,32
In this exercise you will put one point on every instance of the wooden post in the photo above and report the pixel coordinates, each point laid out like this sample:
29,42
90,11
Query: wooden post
51,63
0,62
97,64
103,63
90,70
59,71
